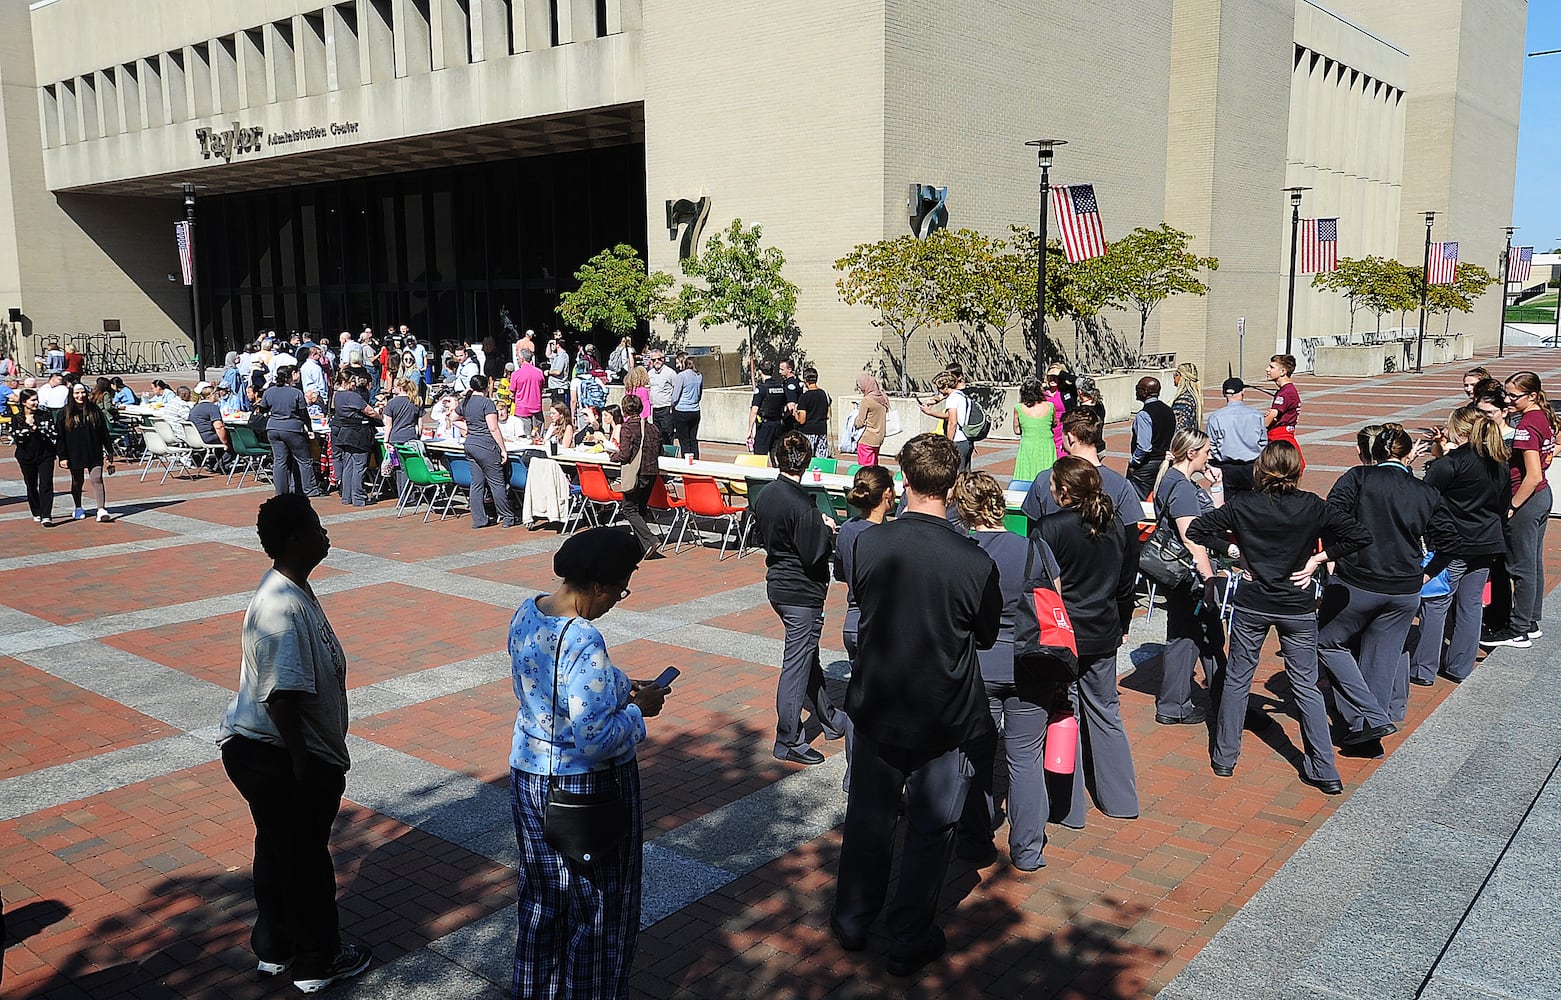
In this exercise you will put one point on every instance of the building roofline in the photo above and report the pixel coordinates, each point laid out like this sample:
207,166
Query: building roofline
1310,3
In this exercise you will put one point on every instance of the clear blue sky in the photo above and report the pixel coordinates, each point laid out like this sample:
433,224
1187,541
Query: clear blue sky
1537,203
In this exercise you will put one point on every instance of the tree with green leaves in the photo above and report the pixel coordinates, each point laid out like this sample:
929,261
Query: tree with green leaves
1470,281
616,293
1148,266
1377,284
740,282
905,280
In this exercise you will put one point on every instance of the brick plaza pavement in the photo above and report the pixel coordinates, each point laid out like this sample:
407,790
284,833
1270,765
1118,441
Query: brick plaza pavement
124,851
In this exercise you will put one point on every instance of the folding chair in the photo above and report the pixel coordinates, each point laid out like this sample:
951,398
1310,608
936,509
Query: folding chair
703,498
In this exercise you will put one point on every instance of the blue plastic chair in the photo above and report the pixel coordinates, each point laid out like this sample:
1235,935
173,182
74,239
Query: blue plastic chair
1022,485
517,478
460,475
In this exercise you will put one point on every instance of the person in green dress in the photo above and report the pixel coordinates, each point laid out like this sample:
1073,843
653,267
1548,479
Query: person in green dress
1033,420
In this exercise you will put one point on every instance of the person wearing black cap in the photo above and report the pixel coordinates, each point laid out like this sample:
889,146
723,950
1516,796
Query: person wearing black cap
1238,434
577,726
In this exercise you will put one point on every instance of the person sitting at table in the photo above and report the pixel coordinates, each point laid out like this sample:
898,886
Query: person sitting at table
123,394
559,429
446,427
510,426
612,425
206,415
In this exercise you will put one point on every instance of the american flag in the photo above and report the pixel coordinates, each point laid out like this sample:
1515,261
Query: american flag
1444,264
1519,264
1078,216
185,234
1319,245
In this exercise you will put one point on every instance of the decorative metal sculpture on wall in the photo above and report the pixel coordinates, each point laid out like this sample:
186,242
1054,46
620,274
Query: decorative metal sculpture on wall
929,209
690,216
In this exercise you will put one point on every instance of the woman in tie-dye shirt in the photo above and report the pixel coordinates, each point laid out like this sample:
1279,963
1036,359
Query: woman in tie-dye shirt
578,922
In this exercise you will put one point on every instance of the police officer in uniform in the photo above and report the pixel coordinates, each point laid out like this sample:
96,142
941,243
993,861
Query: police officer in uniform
766,413
794,389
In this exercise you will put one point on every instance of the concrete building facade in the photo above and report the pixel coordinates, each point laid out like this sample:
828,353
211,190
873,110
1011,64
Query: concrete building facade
349,154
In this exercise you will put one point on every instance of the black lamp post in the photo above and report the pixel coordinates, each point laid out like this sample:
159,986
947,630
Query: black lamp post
1557,338
1506,273
1044,149
1425,282
1295,230
189,188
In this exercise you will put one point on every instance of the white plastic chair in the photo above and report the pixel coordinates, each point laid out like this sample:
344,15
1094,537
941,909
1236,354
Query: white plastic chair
158,450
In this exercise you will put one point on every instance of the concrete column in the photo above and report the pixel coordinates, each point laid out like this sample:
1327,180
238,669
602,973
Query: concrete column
533,25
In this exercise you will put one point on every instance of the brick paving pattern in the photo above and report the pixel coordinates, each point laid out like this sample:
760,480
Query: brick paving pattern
124,851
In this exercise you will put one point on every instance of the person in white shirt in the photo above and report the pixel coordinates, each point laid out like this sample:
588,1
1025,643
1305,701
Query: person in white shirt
511,427
311,378
465,367
56,394
953,408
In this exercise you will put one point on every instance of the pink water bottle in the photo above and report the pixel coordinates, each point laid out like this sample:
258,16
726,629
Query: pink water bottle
1062,742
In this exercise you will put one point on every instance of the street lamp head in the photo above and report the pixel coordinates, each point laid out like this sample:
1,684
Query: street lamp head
1044,147
1509,230
1295,195
1430,219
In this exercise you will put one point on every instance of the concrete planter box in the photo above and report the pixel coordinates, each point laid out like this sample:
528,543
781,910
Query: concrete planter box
724,412
1360,360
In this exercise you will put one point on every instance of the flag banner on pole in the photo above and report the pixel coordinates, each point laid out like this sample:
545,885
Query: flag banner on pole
182,232
1319,245
1444,264
1521,263
1078,216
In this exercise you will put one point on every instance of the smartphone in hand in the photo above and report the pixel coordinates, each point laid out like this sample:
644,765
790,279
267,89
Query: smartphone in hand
667,677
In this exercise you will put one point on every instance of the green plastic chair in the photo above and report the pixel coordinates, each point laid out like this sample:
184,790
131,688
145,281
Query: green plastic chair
252,455
430,484
1017,522
852,469
832,507
824,465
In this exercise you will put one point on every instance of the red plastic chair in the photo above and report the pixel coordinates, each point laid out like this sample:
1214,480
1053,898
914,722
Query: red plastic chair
594,488
703,498
662,499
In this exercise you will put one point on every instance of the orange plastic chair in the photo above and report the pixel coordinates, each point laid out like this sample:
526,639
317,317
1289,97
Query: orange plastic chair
662,499
702,497
597,493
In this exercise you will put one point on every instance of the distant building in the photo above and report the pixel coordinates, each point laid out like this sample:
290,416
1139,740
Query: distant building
429,161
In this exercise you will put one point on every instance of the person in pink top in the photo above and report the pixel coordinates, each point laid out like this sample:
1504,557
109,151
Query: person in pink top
525,385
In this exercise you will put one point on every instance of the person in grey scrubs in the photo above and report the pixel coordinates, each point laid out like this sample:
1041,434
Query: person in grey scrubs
484,448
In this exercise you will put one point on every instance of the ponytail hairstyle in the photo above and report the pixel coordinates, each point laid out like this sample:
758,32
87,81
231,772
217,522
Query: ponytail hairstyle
1528,382
478,383
1363,439
1391,444
1078,485
1278,468
1186,442
1468,424
868,488
979,500
1190,386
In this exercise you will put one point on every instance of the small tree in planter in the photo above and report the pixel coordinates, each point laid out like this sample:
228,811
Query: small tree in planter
1376,284
742,284
616,293
1148,266
1470,281
902,278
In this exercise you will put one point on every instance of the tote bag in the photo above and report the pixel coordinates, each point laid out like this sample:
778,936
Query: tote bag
1043,633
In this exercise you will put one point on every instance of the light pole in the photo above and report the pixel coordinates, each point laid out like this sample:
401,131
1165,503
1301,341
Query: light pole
1506,272
189,188
1557,337
1043,150
1295,230
1425,281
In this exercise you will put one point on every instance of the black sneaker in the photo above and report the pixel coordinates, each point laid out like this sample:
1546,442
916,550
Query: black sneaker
1506,637
350,961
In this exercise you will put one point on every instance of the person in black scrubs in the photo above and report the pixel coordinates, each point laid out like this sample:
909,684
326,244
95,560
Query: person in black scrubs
1095,578
290,430
352,434
929,598
484,447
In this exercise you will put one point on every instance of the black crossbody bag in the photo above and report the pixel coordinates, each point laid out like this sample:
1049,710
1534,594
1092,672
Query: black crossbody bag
580,825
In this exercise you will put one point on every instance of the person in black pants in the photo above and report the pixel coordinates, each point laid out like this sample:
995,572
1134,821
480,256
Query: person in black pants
766,413
284,747
798,543
289,429
1020,702
1466,540
485,449
1277,527
1194,631
33,434
929,598
1153,427
639,439
1095,578
1371,602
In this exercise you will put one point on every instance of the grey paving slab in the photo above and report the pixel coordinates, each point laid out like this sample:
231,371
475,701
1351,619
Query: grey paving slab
79,779
1382,943
451,806
42,637
672,880
96,552
163,693
485,948
425,685
1509,945
421,975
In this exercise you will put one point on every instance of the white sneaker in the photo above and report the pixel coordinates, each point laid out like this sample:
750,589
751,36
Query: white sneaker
350,961
104,516
37,518
1536,633
272,968
48,522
